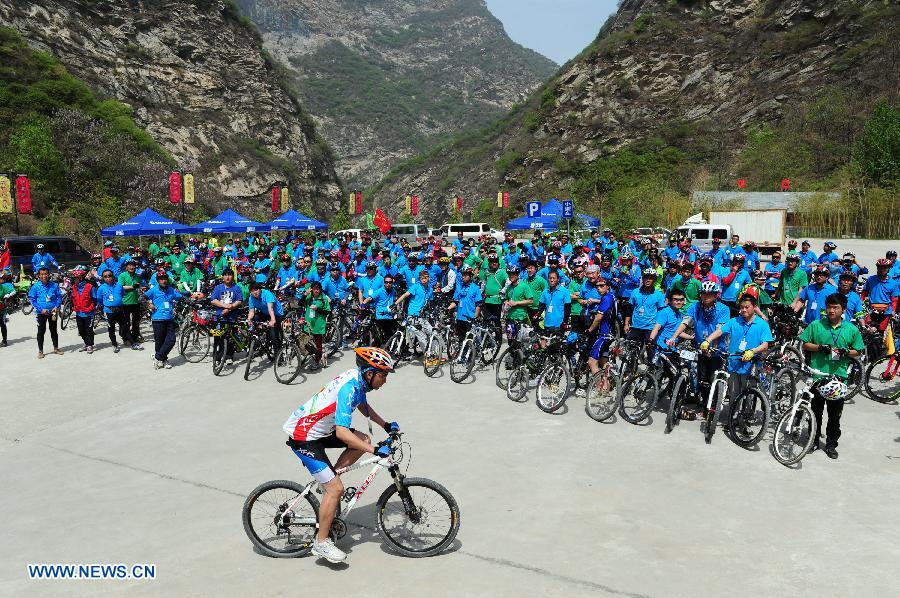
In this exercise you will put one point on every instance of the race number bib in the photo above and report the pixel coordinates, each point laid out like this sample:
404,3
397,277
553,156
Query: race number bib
165,305
743,345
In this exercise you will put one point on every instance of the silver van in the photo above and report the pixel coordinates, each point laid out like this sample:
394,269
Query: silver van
415,234
703,234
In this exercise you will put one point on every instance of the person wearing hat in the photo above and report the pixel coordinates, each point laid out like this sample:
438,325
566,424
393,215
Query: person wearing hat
336,286
538,286
42,259
792,246
445,282
751,256
107,249
161,303
627,279
812,298
191,279
672,251
115,262
434,270
733,282
773,272
109,295
518,297
511,254
7,292
847,288
493,279
828,254
791,281
131,286
687,285
219,262
387,268
287,275
645,303
553,263
732,249
410,271
367,284
849,264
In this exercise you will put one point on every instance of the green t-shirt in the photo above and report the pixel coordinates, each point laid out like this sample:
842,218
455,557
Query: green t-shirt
493,282
575,288
188,280
219,265
177,263
843,336
538,284
153,249
790,285
520,292
5,289
129,280
316,320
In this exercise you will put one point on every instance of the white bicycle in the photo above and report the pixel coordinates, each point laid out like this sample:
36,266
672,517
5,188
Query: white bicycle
415,516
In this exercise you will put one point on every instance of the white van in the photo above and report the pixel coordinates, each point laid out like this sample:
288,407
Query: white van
703,234
415,234
356,233
470,230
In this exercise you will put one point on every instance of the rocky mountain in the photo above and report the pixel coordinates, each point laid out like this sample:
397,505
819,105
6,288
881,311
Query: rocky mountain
388,79
197,80
670,86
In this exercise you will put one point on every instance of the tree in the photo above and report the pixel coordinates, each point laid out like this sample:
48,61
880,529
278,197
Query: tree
340,220
878,150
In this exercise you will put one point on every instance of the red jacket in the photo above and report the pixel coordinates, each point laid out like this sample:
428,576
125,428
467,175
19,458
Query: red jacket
82,301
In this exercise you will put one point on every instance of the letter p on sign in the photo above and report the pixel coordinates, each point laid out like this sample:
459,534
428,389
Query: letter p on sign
533,209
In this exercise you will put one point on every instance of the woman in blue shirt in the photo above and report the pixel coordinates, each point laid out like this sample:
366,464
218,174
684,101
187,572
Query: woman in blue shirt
466,301
109,293
162,300
556,302
46,298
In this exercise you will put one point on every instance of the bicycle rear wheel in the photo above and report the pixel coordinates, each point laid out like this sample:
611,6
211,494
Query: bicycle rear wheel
434,355
277,523
194,344
602,395
679,392
883,379
420,519
517,384
27,307
794,435
712,414
855,376
781,392
334,337
749,417
461,363
505,365
637,397
65,314
489,350
553,386
288,361
218,362
251,353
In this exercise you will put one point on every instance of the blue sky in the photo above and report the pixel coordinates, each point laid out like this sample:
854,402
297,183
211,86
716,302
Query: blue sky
558,29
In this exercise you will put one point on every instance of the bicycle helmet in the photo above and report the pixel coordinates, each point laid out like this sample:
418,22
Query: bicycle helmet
822,269
672,238
467,269
891,254
626,255
96,256
444,260
830,245
792,243
160,262
321,262
706,258
371,265
883,263
848,256
459,256
553,259
188,259
512,269
373,358
710,286
833,389
556,245
649,272
848,276
334,254
793,258
39,246
752,291
79,270
738,257
750,244
758,275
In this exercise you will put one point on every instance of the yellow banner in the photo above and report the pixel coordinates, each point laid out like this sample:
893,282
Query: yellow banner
351,207
285,200
499,199
409,204
188,188
6,205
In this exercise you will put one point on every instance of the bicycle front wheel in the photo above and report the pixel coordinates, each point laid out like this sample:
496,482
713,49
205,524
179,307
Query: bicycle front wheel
434,356
65,314
278,524
489,349
601,397
251,353
194,344
712,413
218,362
420,519
749,417
883,379
288,361
461,363
394,344
679,392
794,435
27,307
553,387
637,397
504,367
517,384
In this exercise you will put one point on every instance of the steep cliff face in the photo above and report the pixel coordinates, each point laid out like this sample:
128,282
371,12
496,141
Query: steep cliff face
386,79
197,80
727,65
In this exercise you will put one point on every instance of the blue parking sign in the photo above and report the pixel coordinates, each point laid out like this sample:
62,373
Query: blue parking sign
533,209
568,209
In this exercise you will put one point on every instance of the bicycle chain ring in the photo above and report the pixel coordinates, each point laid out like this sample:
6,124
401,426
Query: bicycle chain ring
338,529
349,493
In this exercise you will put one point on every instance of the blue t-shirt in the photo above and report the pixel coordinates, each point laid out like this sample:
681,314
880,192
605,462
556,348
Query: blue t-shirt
554,302
743,336
336,289
773,275
383,301
607,307
163,301
286,274
646,306
741,279
815,300
369,286
668,319
467,297
226,295
261,305
882,291
418,297
854,305
706,322
110,295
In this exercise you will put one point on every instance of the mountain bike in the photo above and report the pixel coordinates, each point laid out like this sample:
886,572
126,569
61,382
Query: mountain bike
440,341
297,349
415,517
544,366
260,344
479,344
194,344
749,408
402,344
519,337
227,333
882,378
683,387
795,431
602,389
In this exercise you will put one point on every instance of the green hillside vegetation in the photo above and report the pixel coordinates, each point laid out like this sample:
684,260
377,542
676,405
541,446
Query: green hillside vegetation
88,162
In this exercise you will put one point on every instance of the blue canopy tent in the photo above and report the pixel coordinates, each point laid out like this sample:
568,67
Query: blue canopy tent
146,223
551,214
293,220
229,221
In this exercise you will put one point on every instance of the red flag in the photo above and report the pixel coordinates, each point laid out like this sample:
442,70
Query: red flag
276,199
5,258
458,203
415,205
505,199
359,202
381,221
785,184
175,187
742,183
23,194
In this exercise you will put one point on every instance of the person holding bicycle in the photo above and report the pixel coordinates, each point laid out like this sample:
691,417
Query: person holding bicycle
748,336
162,300
466,301
645,303
555,303
325,422
600,307
265,307
227,297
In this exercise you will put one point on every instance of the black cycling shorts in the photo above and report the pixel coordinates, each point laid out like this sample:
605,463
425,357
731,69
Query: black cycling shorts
312,454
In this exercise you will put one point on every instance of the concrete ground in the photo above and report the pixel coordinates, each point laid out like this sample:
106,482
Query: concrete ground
105,460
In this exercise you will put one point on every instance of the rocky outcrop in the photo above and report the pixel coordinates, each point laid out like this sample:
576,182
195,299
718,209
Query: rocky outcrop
388,79
656,63
197,80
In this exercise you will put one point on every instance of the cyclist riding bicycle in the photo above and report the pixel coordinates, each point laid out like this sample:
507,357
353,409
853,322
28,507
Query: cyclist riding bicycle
324,422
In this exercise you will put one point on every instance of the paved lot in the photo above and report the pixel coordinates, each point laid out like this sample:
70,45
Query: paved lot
104,459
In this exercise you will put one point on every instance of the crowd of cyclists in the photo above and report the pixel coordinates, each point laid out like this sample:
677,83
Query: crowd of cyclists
616,321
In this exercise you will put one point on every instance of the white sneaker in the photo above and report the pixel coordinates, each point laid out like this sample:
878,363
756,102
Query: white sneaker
166,365
157,364
328,551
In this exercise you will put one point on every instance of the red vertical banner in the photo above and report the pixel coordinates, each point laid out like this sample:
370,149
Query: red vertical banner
505,199
276,199
359,198
175,187
785,184
458,203
742,183
23,194
415,205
